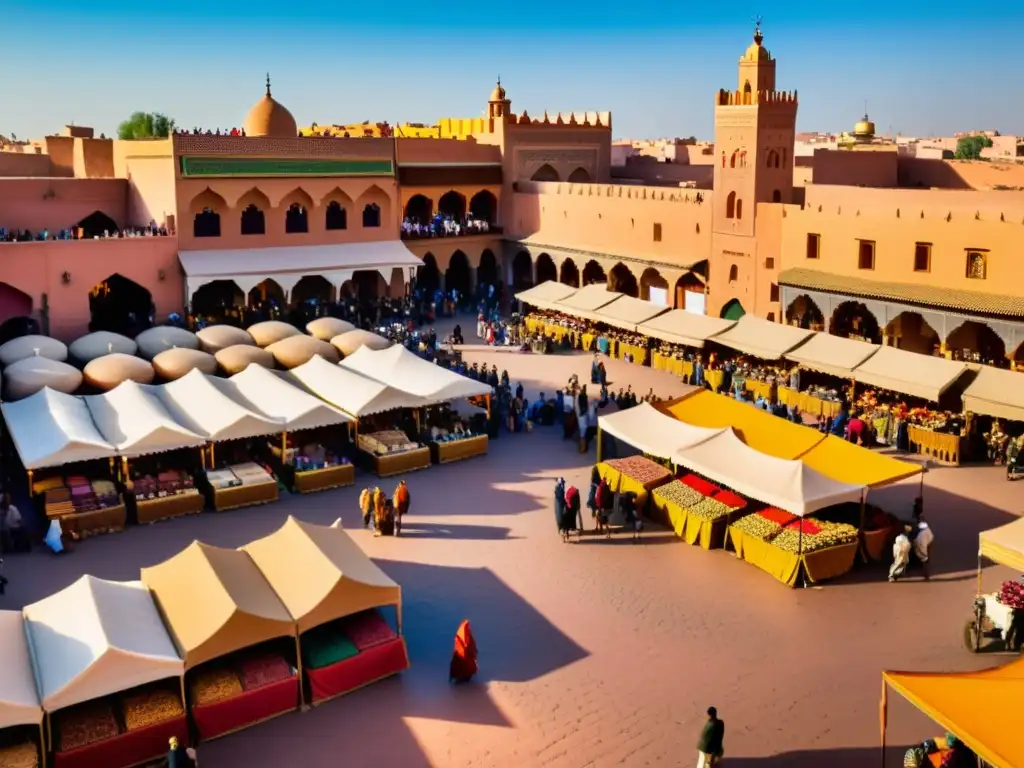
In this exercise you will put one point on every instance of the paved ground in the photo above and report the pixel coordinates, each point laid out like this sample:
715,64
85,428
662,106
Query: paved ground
599,653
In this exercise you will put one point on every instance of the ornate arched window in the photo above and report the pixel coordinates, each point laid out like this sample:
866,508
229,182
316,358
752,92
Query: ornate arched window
253,221
336,216
371,215
730,206
296,219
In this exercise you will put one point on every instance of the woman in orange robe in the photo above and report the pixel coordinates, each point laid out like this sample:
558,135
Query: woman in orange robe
401,501
463,665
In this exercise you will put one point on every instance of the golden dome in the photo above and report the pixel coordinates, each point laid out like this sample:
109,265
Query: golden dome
756,51
269,118
498,94
864,128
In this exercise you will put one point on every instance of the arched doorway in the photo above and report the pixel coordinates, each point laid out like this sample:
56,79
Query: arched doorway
545,173
546,269
267,296
221,300
484,206
487,272
522,271
621,280
804,313
121,306
452,204
456,277
910,331
569,274
853,320
689,294
206,223
733,310
1018,356
369,284
315,288
580,176
975,342
651,278
16,327
428,278
593,273
96,224
13,303
419,209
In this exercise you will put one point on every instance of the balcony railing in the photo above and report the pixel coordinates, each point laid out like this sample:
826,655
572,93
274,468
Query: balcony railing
441,235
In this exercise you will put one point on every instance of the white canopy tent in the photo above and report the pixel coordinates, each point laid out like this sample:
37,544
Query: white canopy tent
546,294
763,338
909,373
682,327
833,355
50,428
197,401
653,432
353,392
132,417
788,485
626,312
258,389
995,392
401,369
248,267
586,299
96,638
19,700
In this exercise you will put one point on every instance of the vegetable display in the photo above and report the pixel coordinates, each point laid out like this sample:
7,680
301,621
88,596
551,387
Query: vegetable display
1012,595
678,493
638,468
709,509
213,685
793,534
147,708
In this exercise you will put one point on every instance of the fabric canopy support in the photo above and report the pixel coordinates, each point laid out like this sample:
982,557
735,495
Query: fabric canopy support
849,463
546,294
50,428
96,638
239,607
909,373
19,700
399,368
681,327
833,355
348,390
320,573
586,299
287,265
653,432
626,312
788,485
1004,545
763,338
981,708
198,402
995,392
260,390
132,418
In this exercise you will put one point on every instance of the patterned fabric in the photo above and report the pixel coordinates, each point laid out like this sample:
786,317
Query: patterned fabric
259,671
367,629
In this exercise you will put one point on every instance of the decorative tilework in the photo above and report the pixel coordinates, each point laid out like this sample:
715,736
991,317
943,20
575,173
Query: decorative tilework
291,167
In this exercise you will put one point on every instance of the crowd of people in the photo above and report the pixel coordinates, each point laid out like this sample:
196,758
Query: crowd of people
78,233
444,225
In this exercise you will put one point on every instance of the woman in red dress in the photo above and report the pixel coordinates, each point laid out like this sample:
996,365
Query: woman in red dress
463,665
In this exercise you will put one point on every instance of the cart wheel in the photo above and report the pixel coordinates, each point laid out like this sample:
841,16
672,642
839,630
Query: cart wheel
971,637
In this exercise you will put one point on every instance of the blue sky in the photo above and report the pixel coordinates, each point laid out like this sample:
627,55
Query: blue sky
925,70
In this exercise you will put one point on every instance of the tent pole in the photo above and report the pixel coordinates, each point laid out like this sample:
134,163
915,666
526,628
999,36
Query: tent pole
863,521
212,456
284,447
298,667
800,554
883,715
979,573
488,396
599,445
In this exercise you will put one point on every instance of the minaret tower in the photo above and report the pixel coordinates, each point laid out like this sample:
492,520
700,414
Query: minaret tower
498,107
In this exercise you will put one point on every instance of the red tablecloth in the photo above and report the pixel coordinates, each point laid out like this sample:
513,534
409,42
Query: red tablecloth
246,708
370,665
131,748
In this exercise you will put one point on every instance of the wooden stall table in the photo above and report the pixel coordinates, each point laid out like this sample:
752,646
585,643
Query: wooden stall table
785,566
246,495
619,482
457,450
639,353
85,524
325,478
809,404
758,388
535,325
697,530
391,464
941,446
589,340
714,378
168,507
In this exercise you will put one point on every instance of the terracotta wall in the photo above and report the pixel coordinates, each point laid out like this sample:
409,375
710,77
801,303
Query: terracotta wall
664,174
23,164
94,158
446,151
856,169
955,174
28,204
36,269
434,194
61,150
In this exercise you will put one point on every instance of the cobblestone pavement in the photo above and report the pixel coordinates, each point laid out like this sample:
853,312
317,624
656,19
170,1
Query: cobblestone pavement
598,653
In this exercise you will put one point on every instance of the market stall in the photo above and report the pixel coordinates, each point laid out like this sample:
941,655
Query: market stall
22,735
634,474
651,431
134,420
833,356
626,313
684,328
545,295
236,637
697,510
762,339
107,673
997,393
999,615
201,404
334,592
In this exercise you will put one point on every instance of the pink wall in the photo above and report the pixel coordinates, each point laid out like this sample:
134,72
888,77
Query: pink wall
24,164
36,269
856,169
664,174
28,204
150,189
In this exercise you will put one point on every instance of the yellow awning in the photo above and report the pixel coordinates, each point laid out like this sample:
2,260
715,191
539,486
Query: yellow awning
981,708
1004,545
848,463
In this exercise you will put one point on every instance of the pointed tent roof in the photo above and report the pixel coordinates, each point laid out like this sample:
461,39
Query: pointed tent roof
132,417
546,294
261,390
682,327
353,392
51,428
653,432
763,338
95,638
198,402
320,573
238,609
401,369
19,700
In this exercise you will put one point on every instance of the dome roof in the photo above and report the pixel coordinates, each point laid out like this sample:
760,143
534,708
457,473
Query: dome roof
756,51
864,128
269,118
498,94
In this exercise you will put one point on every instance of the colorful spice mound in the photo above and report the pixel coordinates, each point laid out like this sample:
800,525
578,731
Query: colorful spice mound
367,629
212,685
638,468
24,755
678,493
709,509
264,670
1012,595
87,724
147,708
783,530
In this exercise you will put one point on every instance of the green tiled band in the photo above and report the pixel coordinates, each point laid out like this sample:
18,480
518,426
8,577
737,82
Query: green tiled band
260,166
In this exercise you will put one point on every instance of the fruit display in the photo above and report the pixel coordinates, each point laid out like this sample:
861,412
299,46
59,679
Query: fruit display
1012,595
644,471
678,493
86,724
23,755
758,526
709,509
216,684
794,534
147,708
829,535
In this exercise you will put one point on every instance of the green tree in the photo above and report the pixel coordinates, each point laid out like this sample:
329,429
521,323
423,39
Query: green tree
969,147
146,125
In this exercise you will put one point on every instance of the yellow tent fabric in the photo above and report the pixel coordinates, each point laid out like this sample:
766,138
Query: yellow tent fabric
841,460
981,708
1004,545
759,429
